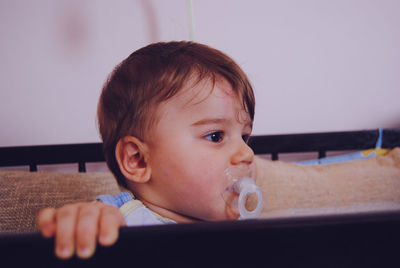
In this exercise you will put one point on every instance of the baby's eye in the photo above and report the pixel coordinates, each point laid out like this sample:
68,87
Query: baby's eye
216,136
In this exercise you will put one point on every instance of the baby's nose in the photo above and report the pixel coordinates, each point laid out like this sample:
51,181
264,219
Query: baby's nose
243,154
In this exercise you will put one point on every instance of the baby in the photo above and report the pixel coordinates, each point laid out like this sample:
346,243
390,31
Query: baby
173,117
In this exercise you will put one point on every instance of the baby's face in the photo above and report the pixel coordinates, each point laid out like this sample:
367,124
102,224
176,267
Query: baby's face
199,135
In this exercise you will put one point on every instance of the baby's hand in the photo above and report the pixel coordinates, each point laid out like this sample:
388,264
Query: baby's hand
78,226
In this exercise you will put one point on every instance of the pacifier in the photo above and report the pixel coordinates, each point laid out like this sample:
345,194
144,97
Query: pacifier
241,193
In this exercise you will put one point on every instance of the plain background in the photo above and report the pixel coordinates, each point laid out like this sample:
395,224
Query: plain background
316,65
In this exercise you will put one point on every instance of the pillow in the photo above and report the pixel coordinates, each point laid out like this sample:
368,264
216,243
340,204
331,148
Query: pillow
23,194
357,186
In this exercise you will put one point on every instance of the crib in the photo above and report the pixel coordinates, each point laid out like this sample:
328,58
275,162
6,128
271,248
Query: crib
355,240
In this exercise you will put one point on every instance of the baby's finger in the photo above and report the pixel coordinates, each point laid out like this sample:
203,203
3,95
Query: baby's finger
110,221
46,221
65,233
87,229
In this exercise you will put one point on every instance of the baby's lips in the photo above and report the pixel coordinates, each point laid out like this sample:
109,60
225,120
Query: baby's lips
232,212
231,200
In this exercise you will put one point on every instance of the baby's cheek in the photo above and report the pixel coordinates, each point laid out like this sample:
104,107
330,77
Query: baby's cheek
217,204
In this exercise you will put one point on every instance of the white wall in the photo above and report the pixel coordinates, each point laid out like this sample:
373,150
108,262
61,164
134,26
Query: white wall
316,65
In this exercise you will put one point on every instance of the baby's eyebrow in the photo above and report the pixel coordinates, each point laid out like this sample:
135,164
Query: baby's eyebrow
210,121
221,121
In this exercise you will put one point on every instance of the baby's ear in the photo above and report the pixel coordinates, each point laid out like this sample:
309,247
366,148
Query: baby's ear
132,155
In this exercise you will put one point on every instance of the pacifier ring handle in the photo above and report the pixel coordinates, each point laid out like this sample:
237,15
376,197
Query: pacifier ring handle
246,190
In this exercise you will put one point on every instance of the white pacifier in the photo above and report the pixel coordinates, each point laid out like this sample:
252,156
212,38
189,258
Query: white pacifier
240,183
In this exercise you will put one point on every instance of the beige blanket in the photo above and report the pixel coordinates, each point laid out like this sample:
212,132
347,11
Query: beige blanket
357,186
23,194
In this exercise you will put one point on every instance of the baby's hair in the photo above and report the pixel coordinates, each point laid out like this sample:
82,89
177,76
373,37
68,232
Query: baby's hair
154,74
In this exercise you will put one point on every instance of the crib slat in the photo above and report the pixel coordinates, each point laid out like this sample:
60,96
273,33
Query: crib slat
81,166
32,168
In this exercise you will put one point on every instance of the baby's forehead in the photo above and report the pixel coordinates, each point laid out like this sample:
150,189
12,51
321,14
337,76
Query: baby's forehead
212,98
195,92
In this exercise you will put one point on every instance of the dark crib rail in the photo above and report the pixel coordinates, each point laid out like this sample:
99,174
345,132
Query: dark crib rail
52,154
359,240
322,142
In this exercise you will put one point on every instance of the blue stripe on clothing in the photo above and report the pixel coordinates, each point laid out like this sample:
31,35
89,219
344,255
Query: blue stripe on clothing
116,201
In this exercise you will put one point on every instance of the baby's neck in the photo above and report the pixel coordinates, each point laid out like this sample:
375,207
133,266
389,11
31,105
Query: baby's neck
179,218
163,212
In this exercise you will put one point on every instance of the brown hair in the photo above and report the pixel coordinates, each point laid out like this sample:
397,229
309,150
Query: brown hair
154,74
